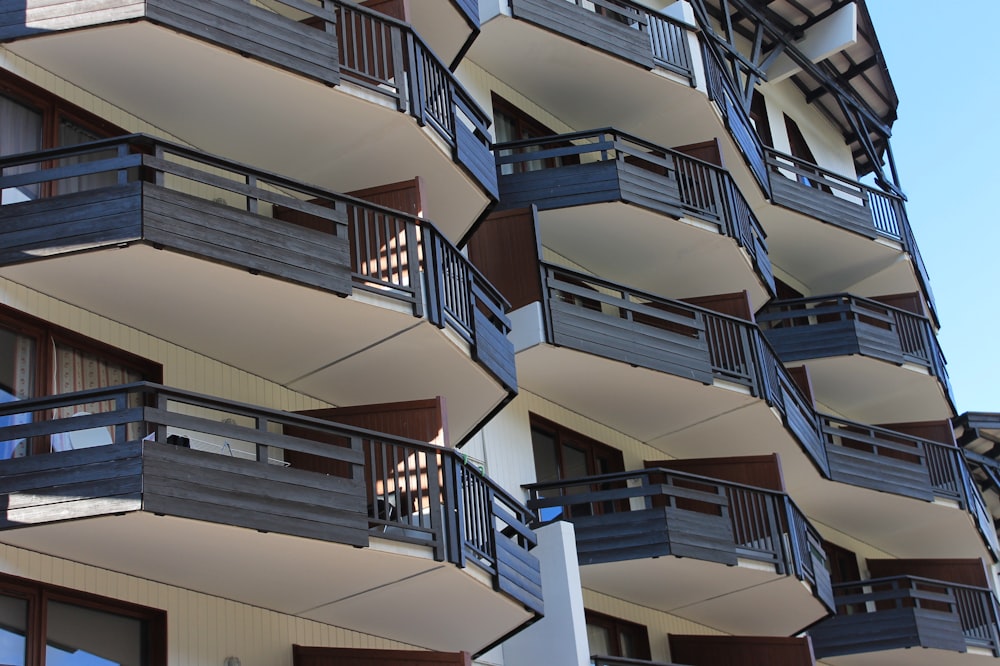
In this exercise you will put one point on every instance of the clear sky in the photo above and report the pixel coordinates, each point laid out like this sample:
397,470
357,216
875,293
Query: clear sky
942,59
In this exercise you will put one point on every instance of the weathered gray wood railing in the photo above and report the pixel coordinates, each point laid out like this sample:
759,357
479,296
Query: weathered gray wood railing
975,608
389,58
619,27
854,325
890,461
607,164
413,491
229,212
694,516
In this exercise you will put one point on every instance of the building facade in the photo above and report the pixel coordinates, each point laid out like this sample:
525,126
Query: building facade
507,332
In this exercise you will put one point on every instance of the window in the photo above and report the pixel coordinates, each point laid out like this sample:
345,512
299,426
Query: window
38,358
758,115
561,454
33,119
513,124
613,637
60,627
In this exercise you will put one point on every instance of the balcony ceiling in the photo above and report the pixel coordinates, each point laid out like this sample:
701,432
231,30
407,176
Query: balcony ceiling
825,259
373,590
442,26
242,109
651,252
870,390
586,88
344,351
744,600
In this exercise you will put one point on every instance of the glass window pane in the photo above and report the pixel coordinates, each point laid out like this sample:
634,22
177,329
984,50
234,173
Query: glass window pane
83,636
546,465
20,132
17,382
599,641
13,628
71,134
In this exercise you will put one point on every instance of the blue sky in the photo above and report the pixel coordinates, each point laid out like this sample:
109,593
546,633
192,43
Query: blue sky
941,57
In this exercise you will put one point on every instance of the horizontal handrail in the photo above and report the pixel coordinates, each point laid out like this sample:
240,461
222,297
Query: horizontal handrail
424,492
378,236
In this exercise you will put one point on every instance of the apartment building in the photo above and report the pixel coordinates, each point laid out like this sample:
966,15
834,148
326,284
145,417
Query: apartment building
507,332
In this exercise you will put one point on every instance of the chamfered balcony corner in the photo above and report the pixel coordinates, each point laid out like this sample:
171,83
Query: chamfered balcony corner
152,481
138,229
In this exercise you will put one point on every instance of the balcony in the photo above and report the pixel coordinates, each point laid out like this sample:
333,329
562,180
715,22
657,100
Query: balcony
630,210
722,554
587,61
867,358
218,496
883,477
223,259
978,433
710,650
813,247
372,104
878,621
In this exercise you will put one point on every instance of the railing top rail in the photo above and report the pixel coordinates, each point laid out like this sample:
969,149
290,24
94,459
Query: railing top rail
774,153
910,580
888,432
637,474
681,305
773,306
589,134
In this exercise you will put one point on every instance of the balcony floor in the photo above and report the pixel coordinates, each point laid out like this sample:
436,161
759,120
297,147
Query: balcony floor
381,590
224,103
340,350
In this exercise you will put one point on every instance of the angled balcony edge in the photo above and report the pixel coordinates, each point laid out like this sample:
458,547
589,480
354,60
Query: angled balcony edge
908,612
147,447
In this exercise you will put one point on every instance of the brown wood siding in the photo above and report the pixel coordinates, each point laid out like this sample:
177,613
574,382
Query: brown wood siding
800,375
405,195
740,650
759,471
961,571
422,420
397,9
326,656
98,218
911,302
587,27
706,151
935,431
505,249
735,305
286,251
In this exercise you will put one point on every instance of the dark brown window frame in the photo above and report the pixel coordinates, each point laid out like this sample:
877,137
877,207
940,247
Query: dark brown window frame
38,594
561,434
615,626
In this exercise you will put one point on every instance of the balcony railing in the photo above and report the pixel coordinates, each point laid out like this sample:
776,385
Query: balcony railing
910,611
894,462
686,515
608,165
841,324
619,27
139,189
600,660
372,484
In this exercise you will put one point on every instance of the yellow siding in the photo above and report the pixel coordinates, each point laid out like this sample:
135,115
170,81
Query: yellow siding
201,629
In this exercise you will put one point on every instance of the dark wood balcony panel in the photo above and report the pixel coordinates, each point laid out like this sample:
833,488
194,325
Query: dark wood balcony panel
822,205
83,220
77,484
281,40
604,32
571,185
894,476
887,630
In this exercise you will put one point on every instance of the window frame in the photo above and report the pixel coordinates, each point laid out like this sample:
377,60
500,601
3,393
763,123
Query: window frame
37,595
616,626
